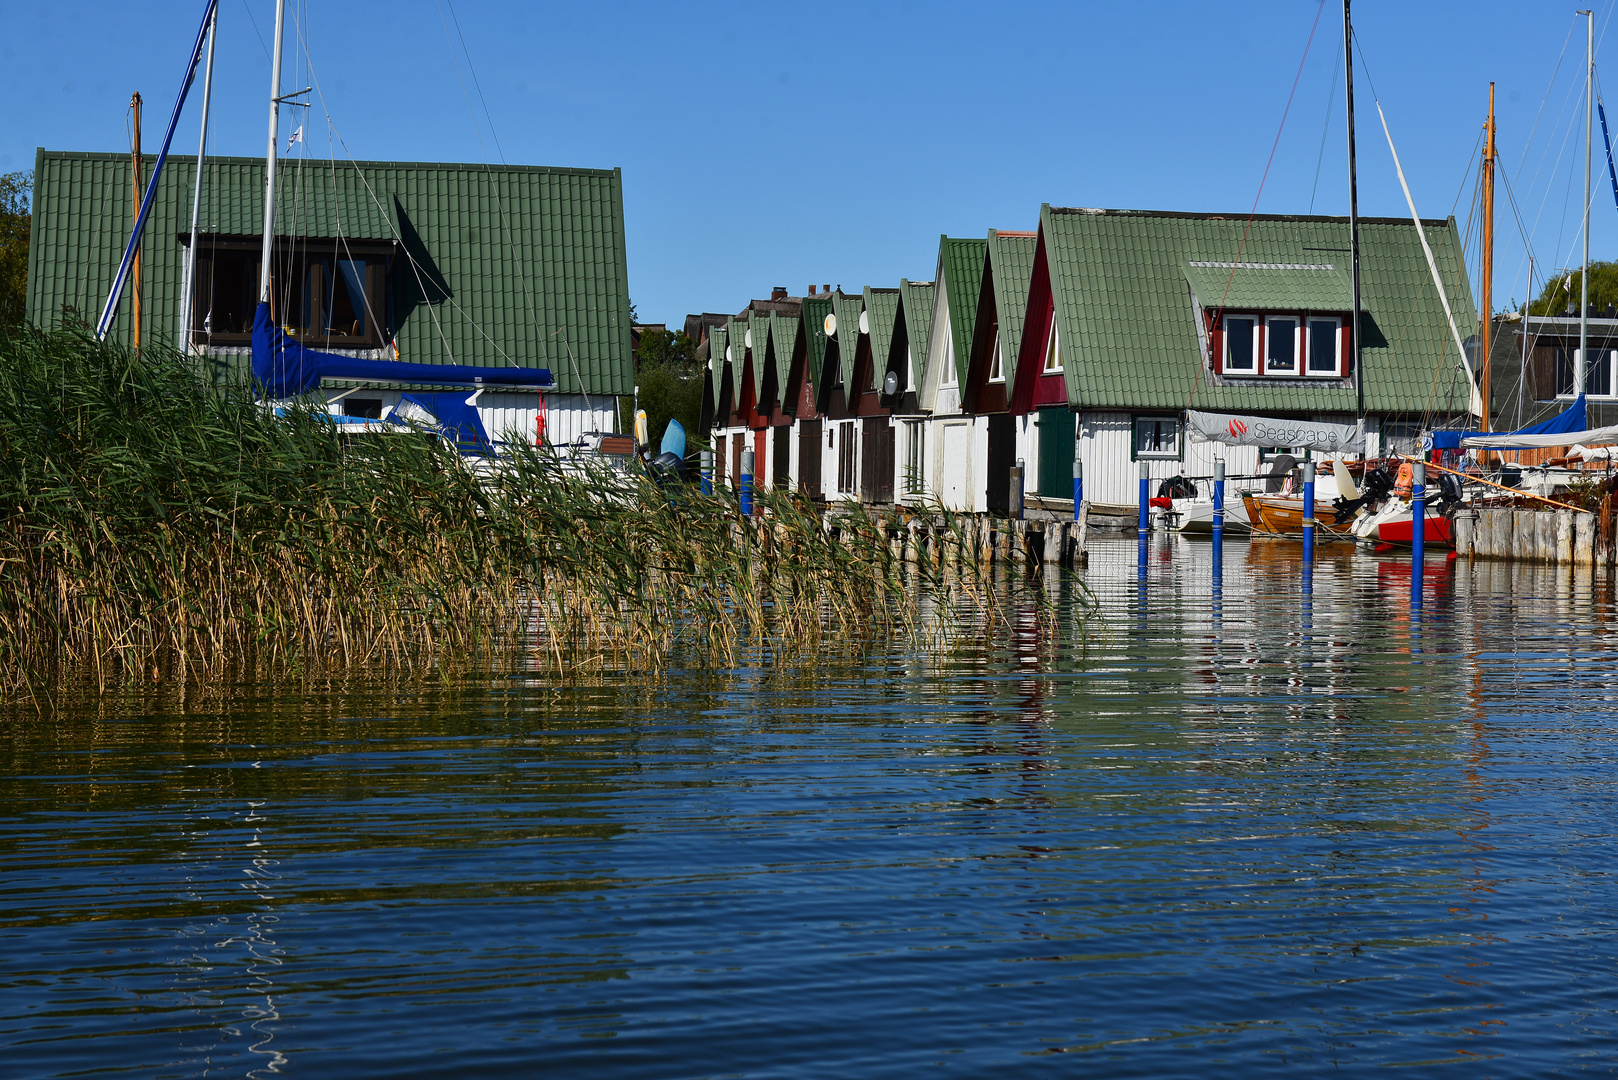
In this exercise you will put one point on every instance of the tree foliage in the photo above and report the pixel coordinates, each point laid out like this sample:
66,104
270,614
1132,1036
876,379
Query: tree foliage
1562,292
670,383
16,218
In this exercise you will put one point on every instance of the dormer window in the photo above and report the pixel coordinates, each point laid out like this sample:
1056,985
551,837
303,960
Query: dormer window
1290,346
997,367
1053,355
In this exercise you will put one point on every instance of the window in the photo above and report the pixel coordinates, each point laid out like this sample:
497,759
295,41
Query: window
1241,343
1598,376
848,458
329,292
366,408
997,366
947,376
915,457
1325,346
1281,345
1053,354
1157,437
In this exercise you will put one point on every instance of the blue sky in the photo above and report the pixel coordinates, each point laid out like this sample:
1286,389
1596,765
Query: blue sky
788,144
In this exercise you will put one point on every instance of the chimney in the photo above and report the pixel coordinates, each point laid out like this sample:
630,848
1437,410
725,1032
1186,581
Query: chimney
825,288
778,293
811,290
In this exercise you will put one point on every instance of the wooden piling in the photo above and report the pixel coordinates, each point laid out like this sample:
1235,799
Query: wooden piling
1465,530
1545,529
1584,536
1564,537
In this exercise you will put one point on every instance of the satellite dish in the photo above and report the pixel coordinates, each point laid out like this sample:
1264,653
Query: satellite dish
890,384
865,322
747,339
727,354
831,324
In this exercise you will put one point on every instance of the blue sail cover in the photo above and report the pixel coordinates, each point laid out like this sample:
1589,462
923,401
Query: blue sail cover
283,368
457,421
1572,419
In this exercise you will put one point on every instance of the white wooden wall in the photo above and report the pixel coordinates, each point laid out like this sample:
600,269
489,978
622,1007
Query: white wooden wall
511,417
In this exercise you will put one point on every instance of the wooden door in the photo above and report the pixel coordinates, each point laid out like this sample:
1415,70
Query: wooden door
809,459
781,464
1056,452
1001,457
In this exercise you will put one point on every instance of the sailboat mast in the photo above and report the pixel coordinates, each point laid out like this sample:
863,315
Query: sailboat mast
264,296
1353,212
137,168
1584,275
1488,259
188,279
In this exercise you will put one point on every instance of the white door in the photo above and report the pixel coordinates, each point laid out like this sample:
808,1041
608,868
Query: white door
955,466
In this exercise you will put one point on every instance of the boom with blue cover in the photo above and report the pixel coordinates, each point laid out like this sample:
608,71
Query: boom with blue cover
283,368
1570,419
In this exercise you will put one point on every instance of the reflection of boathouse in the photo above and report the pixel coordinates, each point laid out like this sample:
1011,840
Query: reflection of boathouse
472,265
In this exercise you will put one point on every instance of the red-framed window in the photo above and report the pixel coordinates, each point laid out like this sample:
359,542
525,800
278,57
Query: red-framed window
1285,345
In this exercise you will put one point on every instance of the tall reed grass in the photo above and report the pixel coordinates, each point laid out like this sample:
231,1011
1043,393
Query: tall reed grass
153,526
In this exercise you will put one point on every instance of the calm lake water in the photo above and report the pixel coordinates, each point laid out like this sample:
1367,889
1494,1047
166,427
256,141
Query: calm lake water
1245,831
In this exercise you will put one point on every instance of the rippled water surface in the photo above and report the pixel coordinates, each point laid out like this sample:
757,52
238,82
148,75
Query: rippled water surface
1246,829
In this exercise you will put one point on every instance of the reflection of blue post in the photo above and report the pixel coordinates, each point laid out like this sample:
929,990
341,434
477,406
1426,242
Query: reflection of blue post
1308,512
1219,507
1145,499
1078,483
1218,582
744,486
1418,530
707,472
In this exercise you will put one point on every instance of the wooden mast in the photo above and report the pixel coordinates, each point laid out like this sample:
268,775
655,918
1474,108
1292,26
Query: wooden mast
1353,214
137,168
1488,261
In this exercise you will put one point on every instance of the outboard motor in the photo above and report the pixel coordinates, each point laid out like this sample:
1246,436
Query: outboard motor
667,469
1176,487
1449,489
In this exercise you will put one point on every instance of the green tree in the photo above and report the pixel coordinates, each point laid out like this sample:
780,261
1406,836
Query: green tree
670,383
16,217
1562,291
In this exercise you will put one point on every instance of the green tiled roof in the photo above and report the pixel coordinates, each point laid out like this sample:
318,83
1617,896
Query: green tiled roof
737,339
1320,284
783,343
759,323
916,308
848,307
1128,326
881,311
533,258
815,310
717,339
1011,258
962,263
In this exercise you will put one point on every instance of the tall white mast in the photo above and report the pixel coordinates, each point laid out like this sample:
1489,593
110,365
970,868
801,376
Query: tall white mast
1584,275
1353,214
269,160
188,278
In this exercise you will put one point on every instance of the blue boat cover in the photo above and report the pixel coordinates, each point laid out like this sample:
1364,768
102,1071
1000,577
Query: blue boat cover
457,421
1572,419
674,439
283,368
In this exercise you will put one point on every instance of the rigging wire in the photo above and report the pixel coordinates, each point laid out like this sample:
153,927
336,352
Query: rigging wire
1325,129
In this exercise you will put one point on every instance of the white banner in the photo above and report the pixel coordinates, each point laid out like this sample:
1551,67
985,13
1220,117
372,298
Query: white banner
1272,431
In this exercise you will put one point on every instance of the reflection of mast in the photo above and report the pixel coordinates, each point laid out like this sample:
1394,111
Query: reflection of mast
1488,259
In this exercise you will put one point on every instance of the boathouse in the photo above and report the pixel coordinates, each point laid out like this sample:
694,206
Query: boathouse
911,324
957,442
991,369
447,264
1145,314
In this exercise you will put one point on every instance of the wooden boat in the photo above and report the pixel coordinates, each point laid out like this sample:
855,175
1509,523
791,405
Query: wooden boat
1120,516
1282,515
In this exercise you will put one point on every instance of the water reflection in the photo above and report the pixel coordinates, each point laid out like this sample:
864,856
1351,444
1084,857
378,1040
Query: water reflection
1267,813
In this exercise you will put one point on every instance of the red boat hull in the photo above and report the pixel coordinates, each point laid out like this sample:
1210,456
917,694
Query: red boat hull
1399,531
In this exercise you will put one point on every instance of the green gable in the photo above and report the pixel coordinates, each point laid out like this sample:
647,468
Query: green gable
737,340
1121,281
717,340
962,264
759,323
528,264
916,309
783,344
1011,263
881,313
815,310
847,307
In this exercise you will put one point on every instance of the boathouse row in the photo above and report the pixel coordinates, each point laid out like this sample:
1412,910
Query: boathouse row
1094,334
476,265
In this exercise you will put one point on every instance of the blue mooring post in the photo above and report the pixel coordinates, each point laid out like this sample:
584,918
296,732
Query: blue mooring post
1219,506
744,485
1308,512
1078,484
1145,498
1418,531
707,472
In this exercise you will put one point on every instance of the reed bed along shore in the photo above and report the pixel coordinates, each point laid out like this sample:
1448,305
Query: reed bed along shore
156,527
